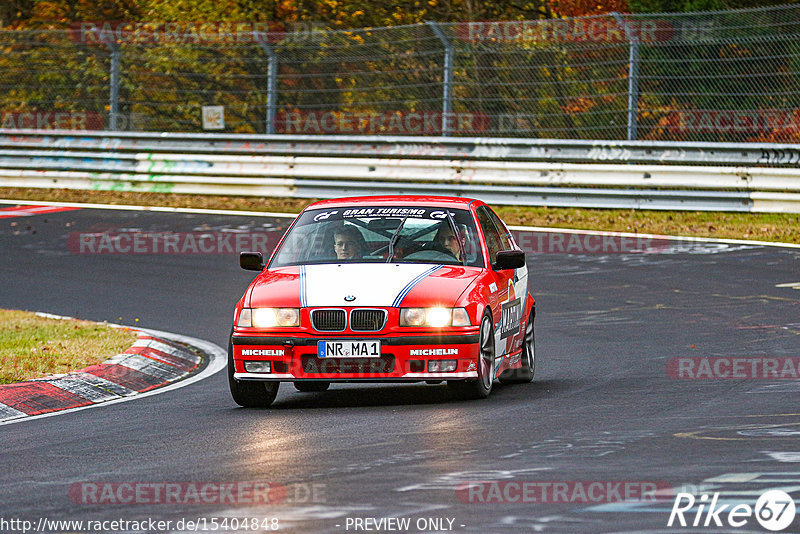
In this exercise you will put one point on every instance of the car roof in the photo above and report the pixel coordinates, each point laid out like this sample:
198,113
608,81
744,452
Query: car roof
394,200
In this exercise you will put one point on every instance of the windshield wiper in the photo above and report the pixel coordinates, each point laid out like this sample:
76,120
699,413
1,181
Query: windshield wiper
394,239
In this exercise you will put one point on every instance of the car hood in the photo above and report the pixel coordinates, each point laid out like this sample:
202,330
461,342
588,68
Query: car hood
361,284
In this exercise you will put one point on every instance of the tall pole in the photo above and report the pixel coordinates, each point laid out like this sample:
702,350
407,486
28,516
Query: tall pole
113,104
633,77
447,75
272,84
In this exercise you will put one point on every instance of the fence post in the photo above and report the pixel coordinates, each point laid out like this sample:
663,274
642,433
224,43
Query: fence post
113,107
633,76
272,82
447,82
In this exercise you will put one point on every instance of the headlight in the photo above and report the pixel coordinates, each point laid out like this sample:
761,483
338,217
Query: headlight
435,317
269,317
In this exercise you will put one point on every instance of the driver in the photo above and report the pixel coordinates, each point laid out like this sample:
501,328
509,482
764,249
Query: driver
447,238
348,243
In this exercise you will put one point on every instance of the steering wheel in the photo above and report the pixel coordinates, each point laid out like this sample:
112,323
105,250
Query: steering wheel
435,246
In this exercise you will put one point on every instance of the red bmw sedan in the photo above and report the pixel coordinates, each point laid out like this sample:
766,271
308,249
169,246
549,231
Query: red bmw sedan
385,289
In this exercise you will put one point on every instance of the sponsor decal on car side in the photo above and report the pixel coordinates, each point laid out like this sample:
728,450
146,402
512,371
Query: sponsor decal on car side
509,320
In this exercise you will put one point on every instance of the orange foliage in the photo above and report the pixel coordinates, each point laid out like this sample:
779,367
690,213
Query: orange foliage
578,105
582,8
777,136
286,10
665,117
51,11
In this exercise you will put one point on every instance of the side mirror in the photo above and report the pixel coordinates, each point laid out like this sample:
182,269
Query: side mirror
509,259
252,261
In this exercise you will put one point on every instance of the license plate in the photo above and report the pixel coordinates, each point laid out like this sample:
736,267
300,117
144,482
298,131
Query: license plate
349,349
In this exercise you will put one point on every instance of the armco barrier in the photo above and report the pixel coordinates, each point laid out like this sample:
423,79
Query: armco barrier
697,176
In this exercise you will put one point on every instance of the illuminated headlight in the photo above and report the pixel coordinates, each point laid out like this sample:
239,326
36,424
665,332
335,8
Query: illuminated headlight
435,317
442,366
269,317
258,367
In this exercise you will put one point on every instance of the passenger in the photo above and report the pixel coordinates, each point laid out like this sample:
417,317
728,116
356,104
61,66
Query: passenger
446,237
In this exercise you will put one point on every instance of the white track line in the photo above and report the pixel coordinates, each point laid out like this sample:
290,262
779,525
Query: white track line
159,209
653,236
293,215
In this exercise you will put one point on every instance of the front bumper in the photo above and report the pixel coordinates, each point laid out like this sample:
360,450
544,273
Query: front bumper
403,358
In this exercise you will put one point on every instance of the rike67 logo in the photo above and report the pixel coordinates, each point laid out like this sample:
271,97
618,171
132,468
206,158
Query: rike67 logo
774,510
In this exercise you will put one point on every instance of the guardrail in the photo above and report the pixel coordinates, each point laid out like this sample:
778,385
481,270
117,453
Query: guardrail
634,174
508,149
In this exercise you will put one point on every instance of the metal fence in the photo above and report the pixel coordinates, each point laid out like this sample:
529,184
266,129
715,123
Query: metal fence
730,76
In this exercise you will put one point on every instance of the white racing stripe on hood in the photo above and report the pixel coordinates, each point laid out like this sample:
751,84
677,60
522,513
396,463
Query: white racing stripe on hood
372,284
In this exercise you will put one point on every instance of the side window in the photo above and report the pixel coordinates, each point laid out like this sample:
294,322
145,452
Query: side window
493,240
505,235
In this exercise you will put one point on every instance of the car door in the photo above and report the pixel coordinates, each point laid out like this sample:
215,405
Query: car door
518,303
505,299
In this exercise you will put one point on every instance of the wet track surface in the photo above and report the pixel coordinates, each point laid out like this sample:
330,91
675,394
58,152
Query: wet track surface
603,408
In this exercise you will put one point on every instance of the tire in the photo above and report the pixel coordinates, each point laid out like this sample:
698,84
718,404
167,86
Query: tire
524,374
311,386
482,387
250,394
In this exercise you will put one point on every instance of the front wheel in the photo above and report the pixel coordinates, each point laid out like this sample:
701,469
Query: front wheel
250,394
525,373
480,388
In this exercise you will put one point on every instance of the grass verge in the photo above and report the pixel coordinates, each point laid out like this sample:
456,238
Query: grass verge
784,227
33,346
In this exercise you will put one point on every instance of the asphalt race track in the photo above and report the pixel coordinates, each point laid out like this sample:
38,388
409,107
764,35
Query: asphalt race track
606,408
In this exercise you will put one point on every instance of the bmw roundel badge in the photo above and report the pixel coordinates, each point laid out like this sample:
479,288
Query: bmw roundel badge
349,298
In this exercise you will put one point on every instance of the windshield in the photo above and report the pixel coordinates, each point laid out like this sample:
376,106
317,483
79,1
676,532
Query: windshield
381,234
